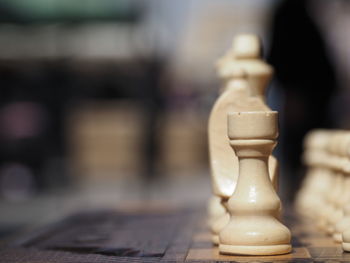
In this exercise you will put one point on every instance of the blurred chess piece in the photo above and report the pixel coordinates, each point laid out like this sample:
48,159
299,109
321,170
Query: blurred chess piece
311,196
341,166
343,223
337,181
327,156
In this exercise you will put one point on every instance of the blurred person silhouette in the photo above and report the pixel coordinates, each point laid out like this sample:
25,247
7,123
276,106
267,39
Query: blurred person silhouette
306,77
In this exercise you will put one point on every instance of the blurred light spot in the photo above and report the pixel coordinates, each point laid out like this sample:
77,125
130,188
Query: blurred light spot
22,120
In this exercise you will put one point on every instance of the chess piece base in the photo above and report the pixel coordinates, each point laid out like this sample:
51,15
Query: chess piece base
346,246
256,250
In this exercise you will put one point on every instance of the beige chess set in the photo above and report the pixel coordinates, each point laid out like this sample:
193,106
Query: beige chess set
244,211
246,220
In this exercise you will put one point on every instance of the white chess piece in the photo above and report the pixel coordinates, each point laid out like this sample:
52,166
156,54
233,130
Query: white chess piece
254,228
338,180
342,166
344,202
310,198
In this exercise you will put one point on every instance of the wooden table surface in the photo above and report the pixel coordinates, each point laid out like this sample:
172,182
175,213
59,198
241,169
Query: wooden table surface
152,234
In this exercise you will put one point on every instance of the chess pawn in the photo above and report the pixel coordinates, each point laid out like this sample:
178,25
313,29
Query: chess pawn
341,210
346,241
334,180
344,223
336,165
311,199
311,196
254,228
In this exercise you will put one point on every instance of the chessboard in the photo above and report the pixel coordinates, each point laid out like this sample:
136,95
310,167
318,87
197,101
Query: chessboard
151,235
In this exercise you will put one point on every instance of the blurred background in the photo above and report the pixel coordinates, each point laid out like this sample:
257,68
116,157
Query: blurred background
103,101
